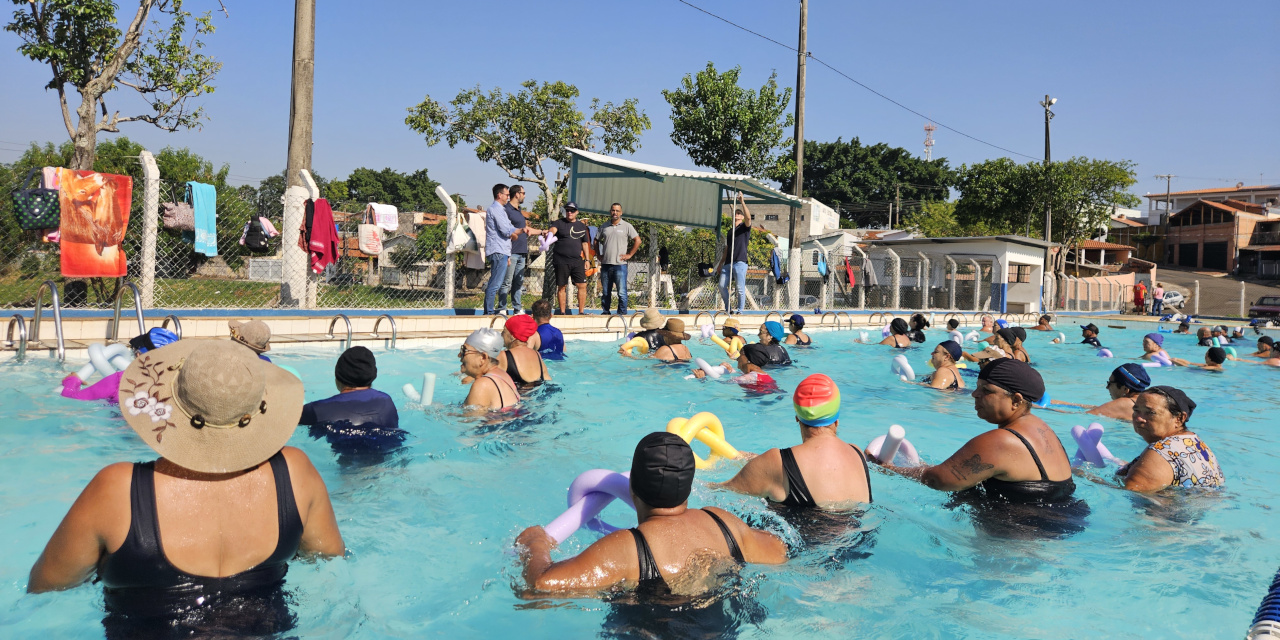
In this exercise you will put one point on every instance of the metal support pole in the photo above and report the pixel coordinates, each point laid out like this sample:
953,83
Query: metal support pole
1197,298
895,302
655,274
951,293
793,262
1242,294
150,233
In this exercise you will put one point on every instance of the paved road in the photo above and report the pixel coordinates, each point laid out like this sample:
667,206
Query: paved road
1219,295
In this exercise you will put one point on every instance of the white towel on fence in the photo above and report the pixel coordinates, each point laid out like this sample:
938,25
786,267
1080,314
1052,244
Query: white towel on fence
384,215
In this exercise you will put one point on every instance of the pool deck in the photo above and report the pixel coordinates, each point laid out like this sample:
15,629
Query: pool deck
289,332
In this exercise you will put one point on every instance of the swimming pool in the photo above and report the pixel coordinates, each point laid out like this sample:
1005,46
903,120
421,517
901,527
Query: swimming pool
429,528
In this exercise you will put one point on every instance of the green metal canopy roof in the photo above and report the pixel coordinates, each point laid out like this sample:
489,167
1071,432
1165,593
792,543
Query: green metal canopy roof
661,194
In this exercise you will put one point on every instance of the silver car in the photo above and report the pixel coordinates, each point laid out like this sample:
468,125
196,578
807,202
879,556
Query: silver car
1174,299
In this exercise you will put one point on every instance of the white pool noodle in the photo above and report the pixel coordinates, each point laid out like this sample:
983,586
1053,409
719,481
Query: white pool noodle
892,441
428,388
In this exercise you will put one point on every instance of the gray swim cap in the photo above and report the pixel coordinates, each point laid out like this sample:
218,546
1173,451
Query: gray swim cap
487,341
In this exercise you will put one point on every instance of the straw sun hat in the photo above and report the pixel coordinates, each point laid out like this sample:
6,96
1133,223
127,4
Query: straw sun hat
210,405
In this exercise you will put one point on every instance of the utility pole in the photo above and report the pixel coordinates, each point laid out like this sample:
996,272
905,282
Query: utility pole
1048,206
1164,220
301,94
897,199
793,251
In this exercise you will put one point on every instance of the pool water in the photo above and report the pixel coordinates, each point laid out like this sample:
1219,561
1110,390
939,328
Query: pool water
429,529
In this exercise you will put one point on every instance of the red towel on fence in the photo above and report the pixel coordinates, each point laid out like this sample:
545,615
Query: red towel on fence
95,213
322,244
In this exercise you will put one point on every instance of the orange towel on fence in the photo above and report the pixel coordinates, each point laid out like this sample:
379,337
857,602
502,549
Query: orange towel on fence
95,213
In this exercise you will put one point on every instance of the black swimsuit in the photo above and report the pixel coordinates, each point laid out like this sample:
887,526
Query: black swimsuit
651,581
513,370
141,583
955,380
797,491
1042,491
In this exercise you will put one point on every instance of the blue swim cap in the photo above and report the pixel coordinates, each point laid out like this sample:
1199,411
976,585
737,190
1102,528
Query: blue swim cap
1133,376
1002,323
775,329
160,337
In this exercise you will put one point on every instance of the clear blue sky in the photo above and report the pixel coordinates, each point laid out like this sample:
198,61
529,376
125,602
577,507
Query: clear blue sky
1184,87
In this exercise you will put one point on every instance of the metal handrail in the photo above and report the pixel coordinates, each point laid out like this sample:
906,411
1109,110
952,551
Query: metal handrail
846,317
715,317
494,319
378,322
823,320
767,315
177,325
56,303
632,320
609,322
22,334
113,329
871,319
334,321
698,318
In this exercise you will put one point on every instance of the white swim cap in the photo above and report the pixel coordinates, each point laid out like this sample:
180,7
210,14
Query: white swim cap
487,341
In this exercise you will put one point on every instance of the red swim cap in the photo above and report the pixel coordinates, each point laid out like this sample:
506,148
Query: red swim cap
521,326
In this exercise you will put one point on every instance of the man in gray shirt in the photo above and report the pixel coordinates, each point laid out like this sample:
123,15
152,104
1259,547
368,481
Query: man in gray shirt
611,245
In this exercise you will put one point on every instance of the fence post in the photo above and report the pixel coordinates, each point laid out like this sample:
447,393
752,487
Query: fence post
293,267
923,282
1242,314
896,300
951,295
1088,294
655,273
150,212
862,286
977,284
1197,294
450,252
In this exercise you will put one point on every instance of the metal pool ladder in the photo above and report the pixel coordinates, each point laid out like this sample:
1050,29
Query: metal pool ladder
22,336
57,317
113,329
334,321
376,324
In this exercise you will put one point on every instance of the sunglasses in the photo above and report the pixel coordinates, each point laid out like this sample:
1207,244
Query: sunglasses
464,352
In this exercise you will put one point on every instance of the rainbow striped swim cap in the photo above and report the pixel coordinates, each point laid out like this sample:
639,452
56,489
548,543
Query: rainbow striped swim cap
817,401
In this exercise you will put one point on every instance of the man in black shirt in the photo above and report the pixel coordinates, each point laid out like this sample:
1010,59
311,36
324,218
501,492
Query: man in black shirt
1090,334
570,235
734,260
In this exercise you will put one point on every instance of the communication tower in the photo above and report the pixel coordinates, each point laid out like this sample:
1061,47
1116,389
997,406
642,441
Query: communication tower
929,128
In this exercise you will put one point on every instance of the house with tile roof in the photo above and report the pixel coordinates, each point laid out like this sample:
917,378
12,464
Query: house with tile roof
1179,200
1225,235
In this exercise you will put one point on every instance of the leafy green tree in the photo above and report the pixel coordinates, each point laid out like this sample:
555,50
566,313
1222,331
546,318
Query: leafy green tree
731,129
84,48
1010,198
841,173
938,220
525,131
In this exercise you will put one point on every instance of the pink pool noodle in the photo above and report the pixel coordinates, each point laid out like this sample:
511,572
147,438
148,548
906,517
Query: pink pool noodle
107,388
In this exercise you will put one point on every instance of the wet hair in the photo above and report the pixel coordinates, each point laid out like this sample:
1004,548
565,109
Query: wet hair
541,310
918,321
498,188
1216,355
953,324
1046,318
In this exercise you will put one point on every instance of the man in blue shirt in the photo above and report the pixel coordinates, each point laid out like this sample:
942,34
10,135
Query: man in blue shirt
360,419
514,282
498,234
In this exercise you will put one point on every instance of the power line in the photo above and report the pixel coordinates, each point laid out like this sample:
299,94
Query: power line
854,80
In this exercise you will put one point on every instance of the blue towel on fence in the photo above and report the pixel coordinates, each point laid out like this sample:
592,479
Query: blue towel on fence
204,200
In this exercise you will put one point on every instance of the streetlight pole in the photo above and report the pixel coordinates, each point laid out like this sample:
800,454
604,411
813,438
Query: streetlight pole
1048,200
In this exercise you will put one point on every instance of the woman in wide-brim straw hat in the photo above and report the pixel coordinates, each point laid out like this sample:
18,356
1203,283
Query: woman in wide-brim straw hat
230,502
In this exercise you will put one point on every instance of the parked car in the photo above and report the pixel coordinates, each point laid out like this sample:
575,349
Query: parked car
1174,299
1266,307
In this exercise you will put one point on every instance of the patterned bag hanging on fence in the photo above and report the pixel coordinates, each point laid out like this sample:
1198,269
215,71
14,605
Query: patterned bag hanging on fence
179,216
36,208
370,236
255,237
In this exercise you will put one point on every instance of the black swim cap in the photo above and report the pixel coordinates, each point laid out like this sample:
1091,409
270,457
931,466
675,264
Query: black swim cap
898,326
356,367
1267,340
1014,376
662,470
1019,332
953,349
1184,404
1007,335
1217,355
